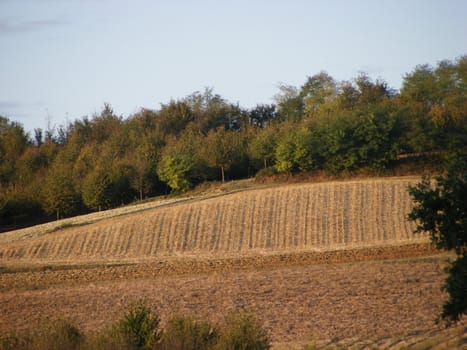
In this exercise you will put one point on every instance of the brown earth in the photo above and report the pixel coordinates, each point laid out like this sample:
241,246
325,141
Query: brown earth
327,264
383,298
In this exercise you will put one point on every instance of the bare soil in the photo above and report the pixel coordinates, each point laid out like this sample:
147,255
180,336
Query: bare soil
325,264
385,297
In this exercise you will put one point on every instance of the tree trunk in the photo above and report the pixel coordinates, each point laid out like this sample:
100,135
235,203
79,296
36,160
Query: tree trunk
222,172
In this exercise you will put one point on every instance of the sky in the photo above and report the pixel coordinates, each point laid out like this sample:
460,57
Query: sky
61,60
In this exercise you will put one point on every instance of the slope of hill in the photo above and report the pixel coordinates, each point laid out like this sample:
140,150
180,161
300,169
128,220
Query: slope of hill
289,218
301,257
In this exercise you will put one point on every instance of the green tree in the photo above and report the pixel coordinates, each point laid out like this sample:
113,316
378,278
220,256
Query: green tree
223,149
174,117
440,208
59,194
13,142
174,169
243,332
289,102
211,111
142,158
261,148
294,151
434,100
106,187
184,333
139,327
319,94
262,115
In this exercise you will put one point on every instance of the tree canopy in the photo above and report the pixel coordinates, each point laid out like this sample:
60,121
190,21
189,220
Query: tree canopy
327,125
441,209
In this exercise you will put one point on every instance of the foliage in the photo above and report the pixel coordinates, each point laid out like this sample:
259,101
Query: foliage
440,208
435,101
58,335
319,94
324,124
184,333
174,169
243,332
289,102
456,287
262,115
53,335
97,190
59,194
139,327
223,149
294,151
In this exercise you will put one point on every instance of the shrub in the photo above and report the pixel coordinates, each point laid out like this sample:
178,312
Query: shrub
184,333
14,342
265,173
58,335
243,332
139,327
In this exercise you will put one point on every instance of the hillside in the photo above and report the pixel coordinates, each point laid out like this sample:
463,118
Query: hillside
332,264
288,218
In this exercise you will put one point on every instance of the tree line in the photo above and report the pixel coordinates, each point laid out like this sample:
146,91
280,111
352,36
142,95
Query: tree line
326,125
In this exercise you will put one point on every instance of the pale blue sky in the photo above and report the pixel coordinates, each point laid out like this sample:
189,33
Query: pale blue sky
65,58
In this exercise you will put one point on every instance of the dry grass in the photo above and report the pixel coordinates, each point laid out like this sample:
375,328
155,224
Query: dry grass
307,217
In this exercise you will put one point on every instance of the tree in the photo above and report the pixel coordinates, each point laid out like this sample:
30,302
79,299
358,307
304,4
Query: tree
318,94
139,327
211,111
185,333
13,142
243,332
223,149
262,146
441,209
174,169
174,117
435,102
60,196
289,102
294,151
106,187
261,115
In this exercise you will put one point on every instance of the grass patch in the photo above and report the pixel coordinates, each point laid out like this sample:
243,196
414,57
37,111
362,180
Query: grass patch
139,329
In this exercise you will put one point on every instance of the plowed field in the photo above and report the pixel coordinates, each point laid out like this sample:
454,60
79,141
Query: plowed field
324,264
323,216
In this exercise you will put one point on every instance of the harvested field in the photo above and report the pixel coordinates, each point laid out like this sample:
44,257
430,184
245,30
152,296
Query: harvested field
387,304
326,264
323,216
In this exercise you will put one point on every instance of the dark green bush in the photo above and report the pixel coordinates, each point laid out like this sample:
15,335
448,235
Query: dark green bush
139,327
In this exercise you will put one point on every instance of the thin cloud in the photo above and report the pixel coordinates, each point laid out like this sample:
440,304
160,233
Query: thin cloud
17,109
9,105
14,26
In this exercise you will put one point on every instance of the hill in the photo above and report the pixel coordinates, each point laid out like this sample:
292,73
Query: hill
288,218
325,264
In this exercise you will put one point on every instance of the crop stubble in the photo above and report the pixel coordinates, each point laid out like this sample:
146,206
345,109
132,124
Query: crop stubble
290,218
300,257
